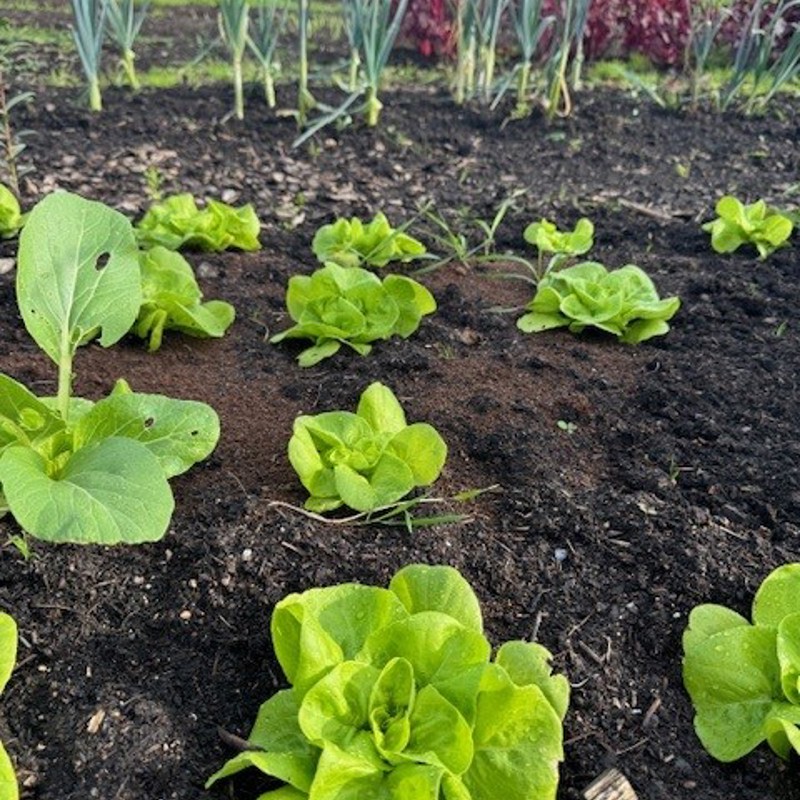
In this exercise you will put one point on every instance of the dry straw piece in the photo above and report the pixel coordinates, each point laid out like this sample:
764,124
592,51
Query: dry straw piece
611,785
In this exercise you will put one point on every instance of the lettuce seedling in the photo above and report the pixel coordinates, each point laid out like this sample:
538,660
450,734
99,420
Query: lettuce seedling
548,239
623,301
351,243
755,224
11,219
337,305
177,222
72,470
367,460
172,300
743,678
395,694
9,789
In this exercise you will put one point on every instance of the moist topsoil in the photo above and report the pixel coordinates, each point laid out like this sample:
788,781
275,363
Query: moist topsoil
671,480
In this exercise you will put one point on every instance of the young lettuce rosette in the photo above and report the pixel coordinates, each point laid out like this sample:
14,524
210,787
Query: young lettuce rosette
367,460
395,694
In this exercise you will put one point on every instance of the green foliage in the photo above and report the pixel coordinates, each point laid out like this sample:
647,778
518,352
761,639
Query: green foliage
623,301
88,31
124,23
548,239
11,219
755,224
340,305
177,222
9,789
744,679
351,243
395,695
172,300
72,470
367,460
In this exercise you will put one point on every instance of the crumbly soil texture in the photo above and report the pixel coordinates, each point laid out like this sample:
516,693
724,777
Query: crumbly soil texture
629,483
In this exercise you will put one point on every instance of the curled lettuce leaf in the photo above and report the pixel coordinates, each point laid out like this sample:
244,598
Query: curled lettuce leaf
9,789
395,695
623,302
177,222
365,460
743,678
352,243
172,300
338,305
756,224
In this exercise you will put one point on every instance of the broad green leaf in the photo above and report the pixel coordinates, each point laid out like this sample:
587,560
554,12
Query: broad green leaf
789,657
778,596
179,433
8,648
280,748
535,322
413,301
706,620
9,789
421,587
390,704
782,729
517,739
109,492
528,664
381,409
335,710
66,293
440,735
422,448
24,418
284,793
732,678
314,631
389,481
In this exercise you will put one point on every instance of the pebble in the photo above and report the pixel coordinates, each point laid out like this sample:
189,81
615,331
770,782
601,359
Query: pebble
6,265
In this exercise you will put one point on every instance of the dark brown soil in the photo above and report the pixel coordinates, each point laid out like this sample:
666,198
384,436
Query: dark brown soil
679,484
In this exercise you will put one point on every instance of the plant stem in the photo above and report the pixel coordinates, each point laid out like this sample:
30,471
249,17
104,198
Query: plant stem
355,63
237,88
64,376
128,58
269,87
305,100
373,107
523,106
95,98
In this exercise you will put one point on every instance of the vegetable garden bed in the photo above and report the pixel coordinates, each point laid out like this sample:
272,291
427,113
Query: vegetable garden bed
672,481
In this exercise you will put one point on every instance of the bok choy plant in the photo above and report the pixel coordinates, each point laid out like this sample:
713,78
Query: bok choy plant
124,23
9,789
88,32
72,470
234,18
623,302
351,306
367,460
263,39
395,693
743,677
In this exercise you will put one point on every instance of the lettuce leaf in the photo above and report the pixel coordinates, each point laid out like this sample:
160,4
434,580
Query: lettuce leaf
11,217
755,224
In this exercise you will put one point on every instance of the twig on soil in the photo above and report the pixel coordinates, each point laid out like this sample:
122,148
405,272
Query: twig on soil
236,742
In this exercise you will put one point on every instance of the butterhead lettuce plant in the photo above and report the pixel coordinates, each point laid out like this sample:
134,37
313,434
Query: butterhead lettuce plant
9,789
177,222
395,693
352,243
352,306
72,470
11,219
744,677
172,300
754,224
623,302
547,238
367,460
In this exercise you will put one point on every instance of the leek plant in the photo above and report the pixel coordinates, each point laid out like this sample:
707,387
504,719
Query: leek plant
88,31
379,29
263,41
572,22
124,23
234,18
355,36
488,20
755,63
466,43
706,18
530,26
305,100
